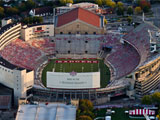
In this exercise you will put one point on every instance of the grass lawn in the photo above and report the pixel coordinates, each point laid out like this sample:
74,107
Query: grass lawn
77,67
118,115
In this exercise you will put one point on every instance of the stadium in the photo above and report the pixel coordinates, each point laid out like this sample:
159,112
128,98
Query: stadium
111,63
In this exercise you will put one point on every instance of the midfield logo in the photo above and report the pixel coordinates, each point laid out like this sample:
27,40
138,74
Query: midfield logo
73,73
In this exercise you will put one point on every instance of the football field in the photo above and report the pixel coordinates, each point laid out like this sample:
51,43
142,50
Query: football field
78,65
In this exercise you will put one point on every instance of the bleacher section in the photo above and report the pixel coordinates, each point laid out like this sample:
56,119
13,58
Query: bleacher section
44,44
140,39
22,54
72,44
123,57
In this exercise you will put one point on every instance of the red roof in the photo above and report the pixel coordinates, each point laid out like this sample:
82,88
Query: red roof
81,14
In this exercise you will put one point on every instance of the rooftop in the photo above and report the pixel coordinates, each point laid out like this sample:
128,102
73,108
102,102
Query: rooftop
46,111
81,14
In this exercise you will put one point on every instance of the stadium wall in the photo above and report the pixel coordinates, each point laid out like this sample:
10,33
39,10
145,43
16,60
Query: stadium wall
70,44
37,31
8,33
78,27
147,77
19,80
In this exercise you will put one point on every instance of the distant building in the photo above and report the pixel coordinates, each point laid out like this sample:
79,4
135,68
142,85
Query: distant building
79,21
63,9
37,31
46,111
147,77
8,33
6,21
44,11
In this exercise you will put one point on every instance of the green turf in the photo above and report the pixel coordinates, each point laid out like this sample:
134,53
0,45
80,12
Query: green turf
77,67
118,115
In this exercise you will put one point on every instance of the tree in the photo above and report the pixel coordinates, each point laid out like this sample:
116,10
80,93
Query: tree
156,98
113,5
12,11
1,12
99,2
22,7
138,2
119,4
138,10
36,19
84,117
146,100
31,20
63,2
85,109
109,3
30,4
89,105
69,1
120,11
129,19
130,10
145,5
105,21
25,20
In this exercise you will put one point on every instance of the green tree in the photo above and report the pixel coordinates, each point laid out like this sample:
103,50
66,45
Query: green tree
99,2
37,19
12,11
120,4
138,10
113,5
156,98
109,3
138,2
63,2
22,7
147,100
85,110
26,20
130,10
84,117
1,12
69,1
30,4
30,20
89,113
145,5
120,11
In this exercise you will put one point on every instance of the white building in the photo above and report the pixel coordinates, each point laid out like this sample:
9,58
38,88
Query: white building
8,33
37,31
46,111
17,78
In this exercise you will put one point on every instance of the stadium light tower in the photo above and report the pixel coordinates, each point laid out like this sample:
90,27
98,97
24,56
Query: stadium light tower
143,17
82,68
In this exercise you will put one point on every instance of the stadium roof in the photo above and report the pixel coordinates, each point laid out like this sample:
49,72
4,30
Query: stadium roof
43,111
81,14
